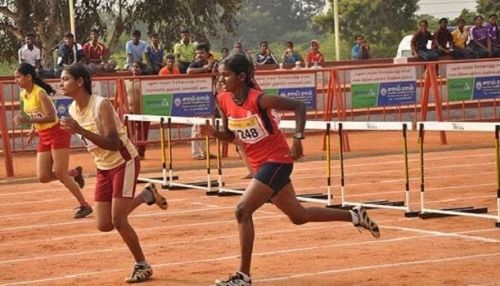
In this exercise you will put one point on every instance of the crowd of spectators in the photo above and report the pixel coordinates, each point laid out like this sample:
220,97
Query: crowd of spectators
477,41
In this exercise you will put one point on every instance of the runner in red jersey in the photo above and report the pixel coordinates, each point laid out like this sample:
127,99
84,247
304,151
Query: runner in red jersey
247,117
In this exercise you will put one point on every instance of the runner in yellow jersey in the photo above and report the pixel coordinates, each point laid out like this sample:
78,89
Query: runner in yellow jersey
53,148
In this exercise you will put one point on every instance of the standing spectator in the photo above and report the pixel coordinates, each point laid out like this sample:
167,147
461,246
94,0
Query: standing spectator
170,68
419,43
290,56
135,50
265,57
315,57
494,35
361,49
134,96
239,49
29,53
224,53
443,40
202,64
68,53
155,54
479,40
184,51
460,38
95,53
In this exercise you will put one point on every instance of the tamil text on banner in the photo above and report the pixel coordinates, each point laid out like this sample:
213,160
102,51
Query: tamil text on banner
178,96
466,81
300,86
383,87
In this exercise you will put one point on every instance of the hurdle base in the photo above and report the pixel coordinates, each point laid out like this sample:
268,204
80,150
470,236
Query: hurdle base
313,196
461,209
141,181
199,184
497,224
228,194
412,214
378,202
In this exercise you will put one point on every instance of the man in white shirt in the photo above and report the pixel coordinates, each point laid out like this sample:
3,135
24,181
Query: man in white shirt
30,54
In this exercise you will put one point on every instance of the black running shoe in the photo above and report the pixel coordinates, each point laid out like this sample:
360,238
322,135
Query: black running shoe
140,273
78,176
82,211
366,222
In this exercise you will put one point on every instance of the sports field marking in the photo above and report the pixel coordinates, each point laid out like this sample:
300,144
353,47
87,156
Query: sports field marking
289,250
379,266
440,233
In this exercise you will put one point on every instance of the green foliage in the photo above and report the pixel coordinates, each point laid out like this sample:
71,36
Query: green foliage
7,68
488,7
382,22
468,16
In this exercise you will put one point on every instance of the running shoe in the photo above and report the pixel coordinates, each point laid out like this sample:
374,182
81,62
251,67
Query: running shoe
78,176
140,273
237,279
366,222
82,211
158,199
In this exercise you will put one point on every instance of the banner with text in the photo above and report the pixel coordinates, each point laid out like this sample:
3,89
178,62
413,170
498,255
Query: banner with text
383,87
473,81
178,97
300,86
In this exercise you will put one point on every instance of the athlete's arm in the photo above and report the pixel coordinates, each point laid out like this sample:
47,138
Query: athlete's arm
48,117
225,135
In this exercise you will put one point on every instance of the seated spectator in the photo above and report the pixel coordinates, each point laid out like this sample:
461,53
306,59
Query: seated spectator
265,57
134,96
30,54
238,49
494,35
68,53
419,43
155,54
96,55
480,43
315,57
290,56
184,51
135,50
170,68
361,49
443,40
224,53
460,37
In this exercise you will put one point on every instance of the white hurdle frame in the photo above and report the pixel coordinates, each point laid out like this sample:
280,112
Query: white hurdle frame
460,127
376,126
168,172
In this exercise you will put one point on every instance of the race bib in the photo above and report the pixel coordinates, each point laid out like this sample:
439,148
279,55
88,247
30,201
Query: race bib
34,113
249,130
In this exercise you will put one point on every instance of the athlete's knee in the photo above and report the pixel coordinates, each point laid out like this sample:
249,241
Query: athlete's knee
61,174
242,213
119,222
298,219
105,227
44,178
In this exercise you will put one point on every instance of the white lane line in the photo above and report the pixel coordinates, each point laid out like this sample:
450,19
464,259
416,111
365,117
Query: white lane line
379,266
440,233
270,253
205,205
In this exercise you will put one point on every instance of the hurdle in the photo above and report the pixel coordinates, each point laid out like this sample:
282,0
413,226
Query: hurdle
327,198
167,179
460,127
404,127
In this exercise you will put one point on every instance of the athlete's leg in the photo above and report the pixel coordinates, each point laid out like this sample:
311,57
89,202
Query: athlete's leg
120,210
103,216
61,162
44,164
255,195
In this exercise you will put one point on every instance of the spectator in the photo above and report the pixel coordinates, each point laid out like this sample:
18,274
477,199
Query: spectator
265,57
238,49
68,53
315,57
155,54
95,53
460,38
30,54
494,35
290,56
480,43
135,50
134,95
224,53
443,40
419,43
184,51
170,68
361,49
202,64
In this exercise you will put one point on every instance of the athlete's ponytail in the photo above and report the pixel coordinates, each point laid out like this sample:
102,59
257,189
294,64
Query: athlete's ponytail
28,69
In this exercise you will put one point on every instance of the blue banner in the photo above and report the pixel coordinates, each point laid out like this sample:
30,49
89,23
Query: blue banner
487,87
304,94
396,93
193,104
62,106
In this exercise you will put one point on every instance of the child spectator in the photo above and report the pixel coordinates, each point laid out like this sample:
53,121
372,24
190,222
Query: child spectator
419,43
361,49
170,68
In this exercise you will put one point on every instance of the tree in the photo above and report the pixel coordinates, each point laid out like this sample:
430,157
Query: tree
467,16
487,7
49,20
382,22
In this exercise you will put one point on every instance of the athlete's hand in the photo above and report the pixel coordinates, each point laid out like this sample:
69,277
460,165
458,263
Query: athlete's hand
21,119
68,123
30,135
296,150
